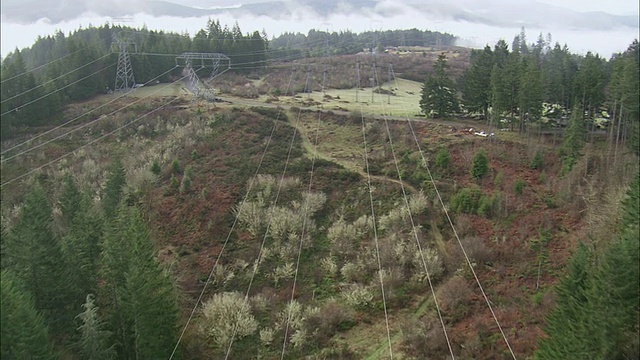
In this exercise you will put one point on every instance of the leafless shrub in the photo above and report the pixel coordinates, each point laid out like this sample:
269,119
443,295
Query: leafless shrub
352,271
266,336
402,251
392,279
418,203
329,265
363,225
453,295
284,222
222,274
357,295
330,318
225,314
464,225
342,236
422,339
431,259
477,251
313,202
283,272
259,302
394,220
251,216
294,316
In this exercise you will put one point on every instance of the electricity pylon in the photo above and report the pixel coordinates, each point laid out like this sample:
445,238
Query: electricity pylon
124,73
213,61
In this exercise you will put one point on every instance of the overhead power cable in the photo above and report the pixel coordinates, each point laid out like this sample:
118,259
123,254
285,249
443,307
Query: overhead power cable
17,108
233,225
271,216
475,276
91,142
413,225
81,116
375,232
54,79
50,62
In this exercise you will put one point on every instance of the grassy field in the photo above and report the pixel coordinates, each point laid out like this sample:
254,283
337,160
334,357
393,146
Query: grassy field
404,101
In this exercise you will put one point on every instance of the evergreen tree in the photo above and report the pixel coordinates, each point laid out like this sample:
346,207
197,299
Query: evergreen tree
597,310
479,165
573,141
501,53
94,341
81,250
632,205
630,99
438,92
590,82
615,316
475,92
114,189
566,323
23,333
18,90
33,253
114,263
511,82
530,94
141,304
70,198
499,94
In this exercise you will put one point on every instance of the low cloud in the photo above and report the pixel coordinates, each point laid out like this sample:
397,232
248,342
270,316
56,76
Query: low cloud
475,22
504,13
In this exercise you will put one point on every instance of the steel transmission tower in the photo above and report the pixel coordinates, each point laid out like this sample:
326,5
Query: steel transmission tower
124,73
213,61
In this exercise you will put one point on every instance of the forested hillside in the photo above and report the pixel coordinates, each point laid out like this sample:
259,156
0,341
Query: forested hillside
296,217
82,64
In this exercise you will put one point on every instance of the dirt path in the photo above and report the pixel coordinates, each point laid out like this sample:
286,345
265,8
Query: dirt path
346,164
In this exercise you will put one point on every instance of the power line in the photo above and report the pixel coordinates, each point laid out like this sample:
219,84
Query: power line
50,62
414,227
52,80
89,143
302,234
271,216
80,116
55,91
233,225
426,165
375,233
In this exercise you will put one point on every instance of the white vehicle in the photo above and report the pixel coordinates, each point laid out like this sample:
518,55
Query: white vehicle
483,134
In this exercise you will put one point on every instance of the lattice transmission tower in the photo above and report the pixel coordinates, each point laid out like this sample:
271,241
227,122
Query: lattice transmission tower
218,63
125,80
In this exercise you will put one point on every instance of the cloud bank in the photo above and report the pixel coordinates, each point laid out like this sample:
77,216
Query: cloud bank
477,22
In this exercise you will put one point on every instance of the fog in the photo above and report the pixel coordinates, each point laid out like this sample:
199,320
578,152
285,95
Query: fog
476,23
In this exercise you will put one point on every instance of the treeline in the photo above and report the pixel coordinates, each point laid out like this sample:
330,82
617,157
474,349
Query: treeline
83,282
38,81
597,311
515,83
317,42
517,87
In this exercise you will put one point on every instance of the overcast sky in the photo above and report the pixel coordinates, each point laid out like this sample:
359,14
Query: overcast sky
609,30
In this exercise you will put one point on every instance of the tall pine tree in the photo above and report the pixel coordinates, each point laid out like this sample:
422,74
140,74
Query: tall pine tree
33,252
23,333
475,92
530,94
95,342
138,295
439,98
